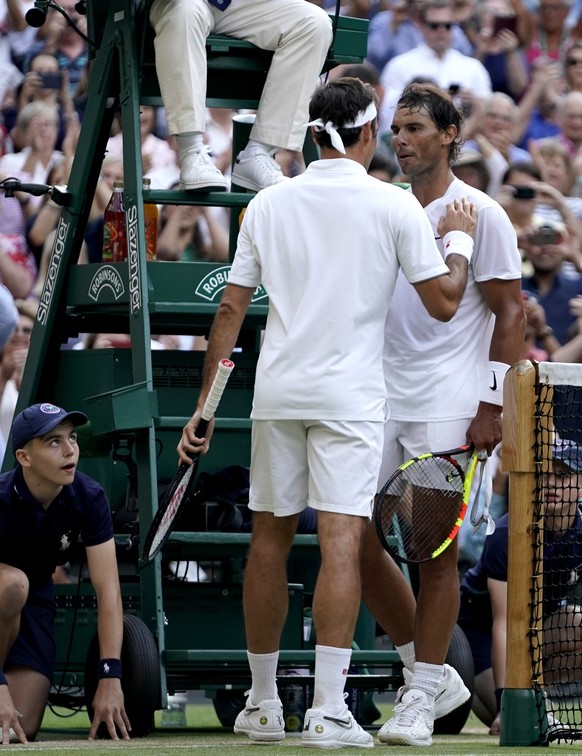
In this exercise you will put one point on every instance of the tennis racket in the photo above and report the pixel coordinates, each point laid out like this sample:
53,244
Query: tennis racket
419,511
179,489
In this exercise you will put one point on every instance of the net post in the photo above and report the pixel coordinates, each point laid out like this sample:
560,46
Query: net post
520,706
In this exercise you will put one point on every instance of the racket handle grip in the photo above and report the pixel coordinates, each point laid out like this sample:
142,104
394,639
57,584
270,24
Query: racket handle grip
217,389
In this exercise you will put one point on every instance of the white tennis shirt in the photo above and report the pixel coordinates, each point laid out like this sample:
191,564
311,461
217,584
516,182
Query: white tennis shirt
327,246
434,370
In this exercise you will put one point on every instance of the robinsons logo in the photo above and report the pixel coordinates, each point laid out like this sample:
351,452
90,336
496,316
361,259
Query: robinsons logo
214,283
107,277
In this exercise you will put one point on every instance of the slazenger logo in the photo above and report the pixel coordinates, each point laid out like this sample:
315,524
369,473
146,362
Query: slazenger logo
53,269
132,256
106,277
213,284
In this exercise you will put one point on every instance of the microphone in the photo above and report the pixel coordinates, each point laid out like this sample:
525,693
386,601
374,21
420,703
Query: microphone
60,195
36,16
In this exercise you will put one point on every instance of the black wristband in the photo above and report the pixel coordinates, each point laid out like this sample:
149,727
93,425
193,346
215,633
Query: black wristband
498,694
108,668
3,680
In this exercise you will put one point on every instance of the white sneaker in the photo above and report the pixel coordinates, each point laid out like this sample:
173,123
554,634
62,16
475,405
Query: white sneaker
412,723
451,692
321,730
199,174
257,172
262,722
557,728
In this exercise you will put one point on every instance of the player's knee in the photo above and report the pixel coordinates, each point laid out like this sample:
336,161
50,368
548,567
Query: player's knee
369,557
14,587
315,26
185,14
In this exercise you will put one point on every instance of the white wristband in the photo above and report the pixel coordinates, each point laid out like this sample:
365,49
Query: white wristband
493,391
458,243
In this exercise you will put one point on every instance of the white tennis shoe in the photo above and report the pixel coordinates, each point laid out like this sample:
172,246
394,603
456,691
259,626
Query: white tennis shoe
256,172
263,722
321,730
412,723
451,692
198,173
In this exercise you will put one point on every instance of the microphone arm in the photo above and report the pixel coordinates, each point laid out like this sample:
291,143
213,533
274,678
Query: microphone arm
59,194
36,16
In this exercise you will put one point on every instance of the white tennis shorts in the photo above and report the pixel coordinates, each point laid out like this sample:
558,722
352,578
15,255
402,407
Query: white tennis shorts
329,465
404,440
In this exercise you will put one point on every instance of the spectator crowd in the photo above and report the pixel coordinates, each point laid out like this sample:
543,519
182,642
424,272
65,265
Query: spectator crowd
512,67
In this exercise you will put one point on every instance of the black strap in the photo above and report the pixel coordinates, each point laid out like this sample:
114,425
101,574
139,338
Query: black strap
334,24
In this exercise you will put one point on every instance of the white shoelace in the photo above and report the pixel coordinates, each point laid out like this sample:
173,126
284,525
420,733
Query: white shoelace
407,712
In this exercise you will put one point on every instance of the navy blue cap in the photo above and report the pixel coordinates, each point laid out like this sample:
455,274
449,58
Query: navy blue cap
38,420
569,454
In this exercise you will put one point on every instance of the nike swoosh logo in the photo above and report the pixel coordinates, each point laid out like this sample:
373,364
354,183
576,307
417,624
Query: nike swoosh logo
251,711
494,387
345,723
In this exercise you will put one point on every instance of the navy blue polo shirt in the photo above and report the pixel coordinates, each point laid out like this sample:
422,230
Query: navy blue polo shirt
36,539
562,559
555,303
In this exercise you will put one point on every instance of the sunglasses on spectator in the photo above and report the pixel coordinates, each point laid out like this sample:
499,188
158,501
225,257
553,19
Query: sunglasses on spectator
434,25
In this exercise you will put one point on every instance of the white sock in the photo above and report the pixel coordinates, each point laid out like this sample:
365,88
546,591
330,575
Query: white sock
256,148
190,141
407,654
426,677
264,675
331,669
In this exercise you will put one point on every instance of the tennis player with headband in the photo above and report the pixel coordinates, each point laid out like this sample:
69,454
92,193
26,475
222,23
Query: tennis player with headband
327,246
445,389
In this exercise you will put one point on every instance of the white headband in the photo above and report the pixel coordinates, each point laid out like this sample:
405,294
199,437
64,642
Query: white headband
363,117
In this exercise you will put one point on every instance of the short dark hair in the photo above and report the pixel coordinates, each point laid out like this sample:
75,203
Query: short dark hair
530,169
366,72
433,5
440,107
340,101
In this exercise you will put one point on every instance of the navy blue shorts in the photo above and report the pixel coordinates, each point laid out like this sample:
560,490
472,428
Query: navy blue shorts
35,646
477,624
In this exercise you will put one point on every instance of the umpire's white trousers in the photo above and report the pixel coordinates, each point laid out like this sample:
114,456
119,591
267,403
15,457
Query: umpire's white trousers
298,32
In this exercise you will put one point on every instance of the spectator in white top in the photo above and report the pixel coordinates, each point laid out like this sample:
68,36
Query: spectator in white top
8,315
36,129
396,31
436,58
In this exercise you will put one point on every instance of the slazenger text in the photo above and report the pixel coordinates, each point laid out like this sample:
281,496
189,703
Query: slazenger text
134,281
52,272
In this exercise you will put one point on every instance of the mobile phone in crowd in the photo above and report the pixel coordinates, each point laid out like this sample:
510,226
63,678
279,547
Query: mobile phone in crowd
545,235
504,22
52,80
523,192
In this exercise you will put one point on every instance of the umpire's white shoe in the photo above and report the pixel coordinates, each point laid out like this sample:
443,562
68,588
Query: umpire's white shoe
199,174
451,692
263,722
256,172
412,723
321,730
